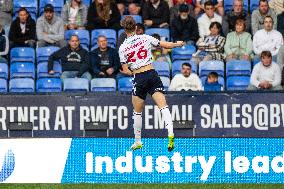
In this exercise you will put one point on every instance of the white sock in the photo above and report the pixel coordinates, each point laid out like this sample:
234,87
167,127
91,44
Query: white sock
166,114
137,126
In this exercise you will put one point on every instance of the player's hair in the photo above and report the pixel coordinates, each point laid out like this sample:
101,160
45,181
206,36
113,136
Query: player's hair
129,24
266,54
213,75
241,22
264,1
186,64
208,3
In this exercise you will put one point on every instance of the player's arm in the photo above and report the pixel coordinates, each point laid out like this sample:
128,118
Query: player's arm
170,45
125,69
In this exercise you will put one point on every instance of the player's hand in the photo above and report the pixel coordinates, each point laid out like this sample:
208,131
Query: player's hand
51,72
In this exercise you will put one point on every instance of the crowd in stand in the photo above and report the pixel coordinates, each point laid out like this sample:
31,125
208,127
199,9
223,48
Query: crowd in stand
217,34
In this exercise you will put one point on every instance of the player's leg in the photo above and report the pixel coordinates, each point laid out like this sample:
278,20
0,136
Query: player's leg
160,100
138,105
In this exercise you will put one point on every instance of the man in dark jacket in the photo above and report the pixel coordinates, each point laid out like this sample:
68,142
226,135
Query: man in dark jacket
280,23
156,14
184,27
23,30
74,60
104,60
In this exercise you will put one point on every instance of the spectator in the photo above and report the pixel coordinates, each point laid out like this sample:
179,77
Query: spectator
265,75
50,28
173,3
103,14
280,57
280,22
131,7
160,54
232,16
174,11
207,18
238,43
140,29
217,5
6,7
74,60
134,9
186,81
211,47
184,27
267,39
277,6
211,83
4,43
156,14
258,15
104,60
23,30
74,15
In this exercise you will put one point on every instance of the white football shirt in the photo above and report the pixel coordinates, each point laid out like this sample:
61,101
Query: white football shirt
136,51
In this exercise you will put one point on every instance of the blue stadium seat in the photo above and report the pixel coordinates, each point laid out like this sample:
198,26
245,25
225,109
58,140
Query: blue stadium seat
42,70
22,85
109,33
163,68
176,66
43,53
220,80
205,67
237,83
3,85
163,32
228,5
253,5
125,84
49,85
22,69
22,54
83,35
120,32
58,4
137,18
30,5
181,53
75,85
166,82
103,84
238,67
87,2
4,70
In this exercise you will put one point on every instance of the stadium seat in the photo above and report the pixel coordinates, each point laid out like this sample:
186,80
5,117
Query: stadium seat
58,4
87,2
125,84
4,70
83,35
137,18
176,66
181,53
3,85
163,32
205,67
43,53
30,5
238,67
22,69
163,68
49,85
120,32
109,33
253,5
237,83
228,5
21,85
22,54
42,70
220,80
75,85
103,84
166,82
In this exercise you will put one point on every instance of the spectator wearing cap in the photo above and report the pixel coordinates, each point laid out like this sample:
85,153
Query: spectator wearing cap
23,30
50,28
174,11
184,27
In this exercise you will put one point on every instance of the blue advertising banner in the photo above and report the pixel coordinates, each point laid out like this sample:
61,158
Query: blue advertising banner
214,115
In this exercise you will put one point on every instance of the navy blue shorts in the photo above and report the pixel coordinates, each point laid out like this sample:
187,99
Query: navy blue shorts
147,82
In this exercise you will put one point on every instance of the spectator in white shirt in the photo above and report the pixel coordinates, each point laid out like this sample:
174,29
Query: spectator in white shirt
266,75
267,39
186,80
207,18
